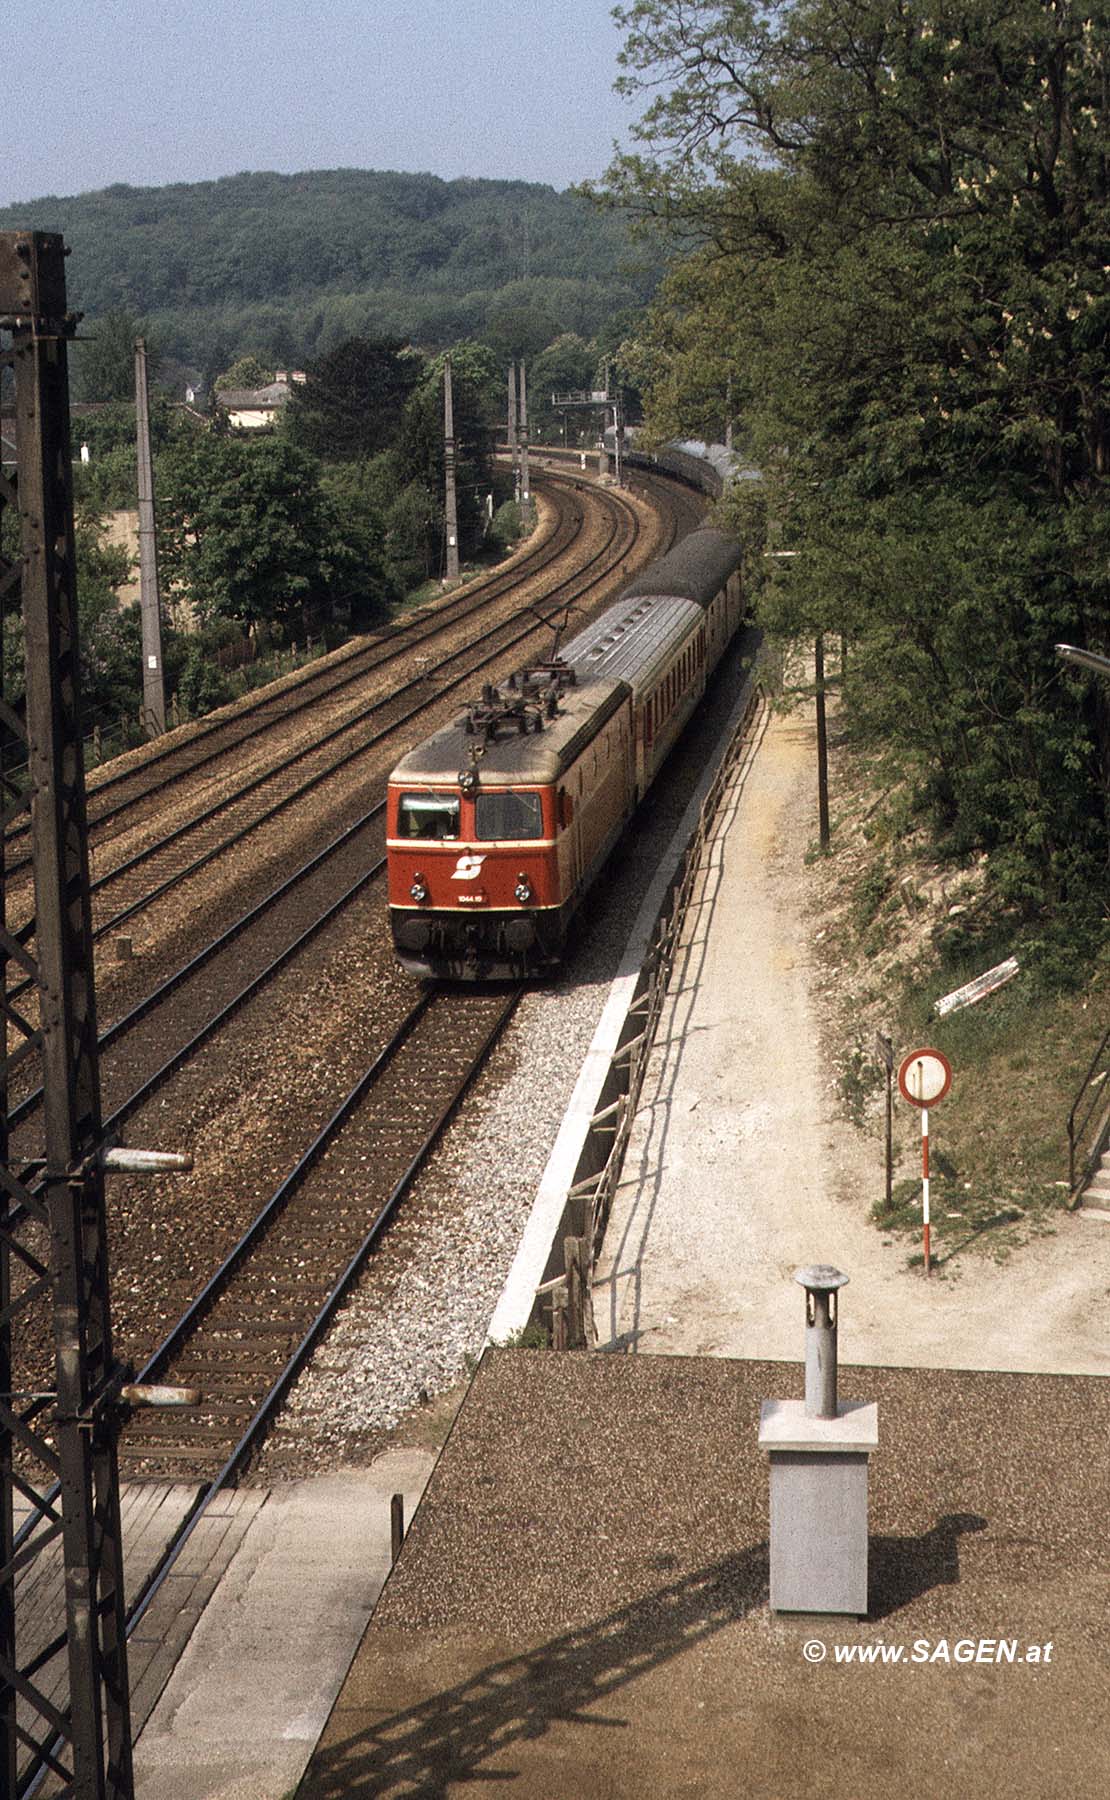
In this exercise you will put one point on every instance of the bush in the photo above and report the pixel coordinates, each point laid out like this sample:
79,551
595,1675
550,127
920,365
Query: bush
507,526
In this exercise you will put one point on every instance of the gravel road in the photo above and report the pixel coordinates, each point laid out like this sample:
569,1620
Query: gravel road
741,1166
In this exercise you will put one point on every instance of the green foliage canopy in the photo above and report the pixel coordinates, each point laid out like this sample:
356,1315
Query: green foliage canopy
894,222
476,386
245,372
104,357
290,266
247,532
352,399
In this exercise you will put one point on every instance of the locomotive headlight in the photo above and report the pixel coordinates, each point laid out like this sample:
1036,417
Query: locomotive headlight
419,888
523,889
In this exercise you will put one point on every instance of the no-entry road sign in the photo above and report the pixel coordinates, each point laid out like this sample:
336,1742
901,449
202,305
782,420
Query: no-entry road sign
924,1077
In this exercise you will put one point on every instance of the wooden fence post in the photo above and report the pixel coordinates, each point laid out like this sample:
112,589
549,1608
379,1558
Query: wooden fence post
580,1311
559,1318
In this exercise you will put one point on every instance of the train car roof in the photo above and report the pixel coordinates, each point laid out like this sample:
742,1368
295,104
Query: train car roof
533,757
695,568
631,640
622,652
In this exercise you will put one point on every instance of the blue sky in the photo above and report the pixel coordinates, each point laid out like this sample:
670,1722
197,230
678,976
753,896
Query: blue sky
146,95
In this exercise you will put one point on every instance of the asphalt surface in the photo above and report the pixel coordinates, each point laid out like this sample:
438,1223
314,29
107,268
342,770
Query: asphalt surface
581,1606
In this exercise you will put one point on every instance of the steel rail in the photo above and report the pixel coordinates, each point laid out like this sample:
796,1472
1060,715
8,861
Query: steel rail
263,1416
22,1111
260,1224
378,652
321,683
485,655
278,1389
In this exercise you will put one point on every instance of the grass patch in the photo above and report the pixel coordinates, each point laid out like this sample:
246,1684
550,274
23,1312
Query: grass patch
998,1152
899,929
1018,1058
965,1219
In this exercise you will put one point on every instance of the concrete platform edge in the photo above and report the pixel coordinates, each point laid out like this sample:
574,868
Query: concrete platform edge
543,1229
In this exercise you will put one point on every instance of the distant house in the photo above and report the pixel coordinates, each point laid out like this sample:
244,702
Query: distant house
250,408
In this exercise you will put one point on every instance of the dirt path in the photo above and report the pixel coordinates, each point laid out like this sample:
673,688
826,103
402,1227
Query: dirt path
739,1169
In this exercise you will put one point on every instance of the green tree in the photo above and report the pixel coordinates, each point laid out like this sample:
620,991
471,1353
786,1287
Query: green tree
476,385
413,534
519,329
247,532
352,400
104,364
111,666
110,635
565,366
247,372
900,215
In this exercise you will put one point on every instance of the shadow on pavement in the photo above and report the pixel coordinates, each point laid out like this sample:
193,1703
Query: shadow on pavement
902,1569
447,1738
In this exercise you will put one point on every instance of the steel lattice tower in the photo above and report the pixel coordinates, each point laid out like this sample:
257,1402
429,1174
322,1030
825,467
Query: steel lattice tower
63,1702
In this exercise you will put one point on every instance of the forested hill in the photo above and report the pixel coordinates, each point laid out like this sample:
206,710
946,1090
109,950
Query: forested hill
291,264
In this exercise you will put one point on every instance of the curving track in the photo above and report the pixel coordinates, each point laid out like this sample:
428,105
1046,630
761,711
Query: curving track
136,862
248,960
239,1270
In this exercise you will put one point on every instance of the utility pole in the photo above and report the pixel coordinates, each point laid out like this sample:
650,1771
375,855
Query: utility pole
150,607
514,447
525,492
822,741
450,505
73,1695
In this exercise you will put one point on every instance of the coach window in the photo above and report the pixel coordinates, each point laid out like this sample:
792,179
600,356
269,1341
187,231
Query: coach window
428,816
498,817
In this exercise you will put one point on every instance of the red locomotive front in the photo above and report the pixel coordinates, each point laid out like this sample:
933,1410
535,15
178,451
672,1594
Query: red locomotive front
473,876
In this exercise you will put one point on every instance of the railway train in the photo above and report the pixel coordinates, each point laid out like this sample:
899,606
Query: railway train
497,825
708,467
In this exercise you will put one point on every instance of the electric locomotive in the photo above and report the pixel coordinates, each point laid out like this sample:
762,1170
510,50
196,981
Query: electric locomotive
498,824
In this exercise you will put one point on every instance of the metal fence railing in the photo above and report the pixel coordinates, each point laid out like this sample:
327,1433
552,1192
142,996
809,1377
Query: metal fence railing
566,1298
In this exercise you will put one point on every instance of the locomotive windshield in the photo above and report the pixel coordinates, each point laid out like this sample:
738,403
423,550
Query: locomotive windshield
507,816
428,816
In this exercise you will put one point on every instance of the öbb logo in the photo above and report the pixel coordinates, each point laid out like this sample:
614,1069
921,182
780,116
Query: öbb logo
468,868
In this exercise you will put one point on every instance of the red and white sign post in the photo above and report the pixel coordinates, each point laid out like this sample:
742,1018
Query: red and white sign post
924,1077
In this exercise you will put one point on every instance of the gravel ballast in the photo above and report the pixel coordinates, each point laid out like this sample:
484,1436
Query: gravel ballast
417,1325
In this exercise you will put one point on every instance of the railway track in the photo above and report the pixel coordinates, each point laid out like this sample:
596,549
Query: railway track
248,1333
257,1318
154,868
177,1018
332,688
116,791
151,1040
188,1005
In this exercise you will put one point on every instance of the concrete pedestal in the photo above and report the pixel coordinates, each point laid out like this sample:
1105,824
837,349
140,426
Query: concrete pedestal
818,1504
